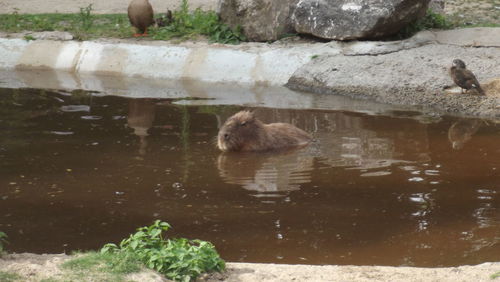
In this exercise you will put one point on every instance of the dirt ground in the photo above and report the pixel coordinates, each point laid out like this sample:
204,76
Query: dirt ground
39,267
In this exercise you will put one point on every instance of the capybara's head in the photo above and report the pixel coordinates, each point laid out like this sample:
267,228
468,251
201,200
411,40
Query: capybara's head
239,131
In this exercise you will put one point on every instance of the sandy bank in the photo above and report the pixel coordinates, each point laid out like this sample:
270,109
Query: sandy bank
37,267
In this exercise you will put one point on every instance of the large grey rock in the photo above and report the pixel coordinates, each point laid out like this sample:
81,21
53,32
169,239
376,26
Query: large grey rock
261,20
355,19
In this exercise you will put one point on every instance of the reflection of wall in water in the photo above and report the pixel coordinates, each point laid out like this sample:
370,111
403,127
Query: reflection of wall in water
141,115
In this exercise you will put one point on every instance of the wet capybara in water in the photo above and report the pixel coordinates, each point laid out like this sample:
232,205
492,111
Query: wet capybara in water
244,132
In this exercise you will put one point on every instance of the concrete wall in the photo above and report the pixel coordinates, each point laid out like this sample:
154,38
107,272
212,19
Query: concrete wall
245,63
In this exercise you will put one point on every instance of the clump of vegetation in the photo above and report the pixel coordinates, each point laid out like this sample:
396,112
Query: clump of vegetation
177,259
85,25
188,24
3,241
430,21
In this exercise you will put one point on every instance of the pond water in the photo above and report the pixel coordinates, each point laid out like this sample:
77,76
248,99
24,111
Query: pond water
78,170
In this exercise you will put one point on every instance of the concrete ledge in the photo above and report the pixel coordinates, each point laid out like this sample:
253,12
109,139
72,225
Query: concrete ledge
245,63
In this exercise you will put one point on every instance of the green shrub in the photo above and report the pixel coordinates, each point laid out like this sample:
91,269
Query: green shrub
177,259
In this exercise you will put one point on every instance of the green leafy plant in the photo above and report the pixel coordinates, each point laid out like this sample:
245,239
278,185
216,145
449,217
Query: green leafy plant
3,241
495,275
177,259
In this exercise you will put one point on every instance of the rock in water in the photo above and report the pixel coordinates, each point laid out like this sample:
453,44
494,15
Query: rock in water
355,19
261,20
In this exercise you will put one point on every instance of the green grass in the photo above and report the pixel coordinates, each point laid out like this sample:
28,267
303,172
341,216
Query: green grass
112,25
85,25
8,276
102,266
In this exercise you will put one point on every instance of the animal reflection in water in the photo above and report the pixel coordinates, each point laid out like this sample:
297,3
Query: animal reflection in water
244,132
141,115
461,132
266,172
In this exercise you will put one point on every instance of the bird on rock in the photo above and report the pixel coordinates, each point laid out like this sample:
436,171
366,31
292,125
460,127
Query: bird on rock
464,77
140,14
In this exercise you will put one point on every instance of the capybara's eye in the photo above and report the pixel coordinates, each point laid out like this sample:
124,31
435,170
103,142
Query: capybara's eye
244,123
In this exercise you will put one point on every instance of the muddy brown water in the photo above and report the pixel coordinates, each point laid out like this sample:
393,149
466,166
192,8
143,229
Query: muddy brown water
80,170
